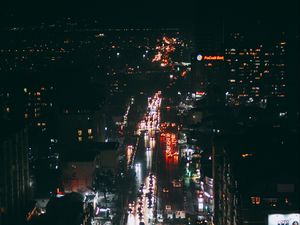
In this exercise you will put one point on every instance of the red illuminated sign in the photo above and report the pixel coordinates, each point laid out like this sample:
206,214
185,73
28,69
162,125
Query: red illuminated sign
200,93
214,58
210,57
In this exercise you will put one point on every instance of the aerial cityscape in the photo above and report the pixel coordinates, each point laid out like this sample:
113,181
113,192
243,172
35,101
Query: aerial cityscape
120,113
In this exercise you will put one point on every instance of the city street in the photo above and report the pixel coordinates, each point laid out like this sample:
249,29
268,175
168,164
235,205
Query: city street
158,182
141,208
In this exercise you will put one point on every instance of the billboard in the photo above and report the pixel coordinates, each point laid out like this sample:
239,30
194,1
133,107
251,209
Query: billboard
284,219
200,57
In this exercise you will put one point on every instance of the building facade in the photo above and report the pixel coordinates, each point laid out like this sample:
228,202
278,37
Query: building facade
257,70
14,176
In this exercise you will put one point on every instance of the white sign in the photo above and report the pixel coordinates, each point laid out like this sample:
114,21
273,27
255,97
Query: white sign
284,219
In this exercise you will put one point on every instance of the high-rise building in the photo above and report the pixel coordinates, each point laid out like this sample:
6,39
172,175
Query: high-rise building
40,116
14,173
208,62
208,76
33,103
224,186
257,70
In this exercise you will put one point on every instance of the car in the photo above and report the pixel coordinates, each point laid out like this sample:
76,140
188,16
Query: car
168,207
177,183
203,221
132,203
148,149
160,216
141,216
130,211
165,190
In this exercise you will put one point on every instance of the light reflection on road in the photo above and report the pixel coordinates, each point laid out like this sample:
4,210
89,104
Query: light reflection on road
138,171
149,159
142,207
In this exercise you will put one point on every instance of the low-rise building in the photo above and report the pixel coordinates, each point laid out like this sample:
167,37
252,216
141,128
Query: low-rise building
81,166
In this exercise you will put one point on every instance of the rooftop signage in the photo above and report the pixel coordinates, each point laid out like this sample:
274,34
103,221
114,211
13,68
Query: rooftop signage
210,57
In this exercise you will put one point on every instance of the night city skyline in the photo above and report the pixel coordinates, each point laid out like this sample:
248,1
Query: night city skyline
149,113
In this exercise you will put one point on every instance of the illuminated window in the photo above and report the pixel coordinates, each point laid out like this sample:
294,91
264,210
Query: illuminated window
79,132
255,200
79,139
90,131
26,115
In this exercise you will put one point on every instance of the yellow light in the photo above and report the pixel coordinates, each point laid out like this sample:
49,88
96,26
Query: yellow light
247,155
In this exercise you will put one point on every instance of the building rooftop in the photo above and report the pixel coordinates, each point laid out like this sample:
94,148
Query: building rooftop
86,152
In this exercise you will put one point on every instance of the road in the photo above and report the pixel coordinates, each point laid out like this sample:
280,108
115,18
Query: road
141,208
158,184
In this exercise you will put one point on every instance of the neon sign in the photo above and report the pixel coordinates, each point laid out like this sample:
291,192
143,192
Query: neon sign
200,93
210,57
215,57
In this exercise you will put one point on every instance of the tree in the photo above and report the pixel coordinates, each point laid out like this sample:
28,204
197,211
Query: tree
104,182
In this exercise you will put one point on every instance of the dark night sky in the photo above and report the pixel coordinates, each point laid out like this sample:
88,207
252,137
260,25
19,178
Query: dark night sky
184,13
